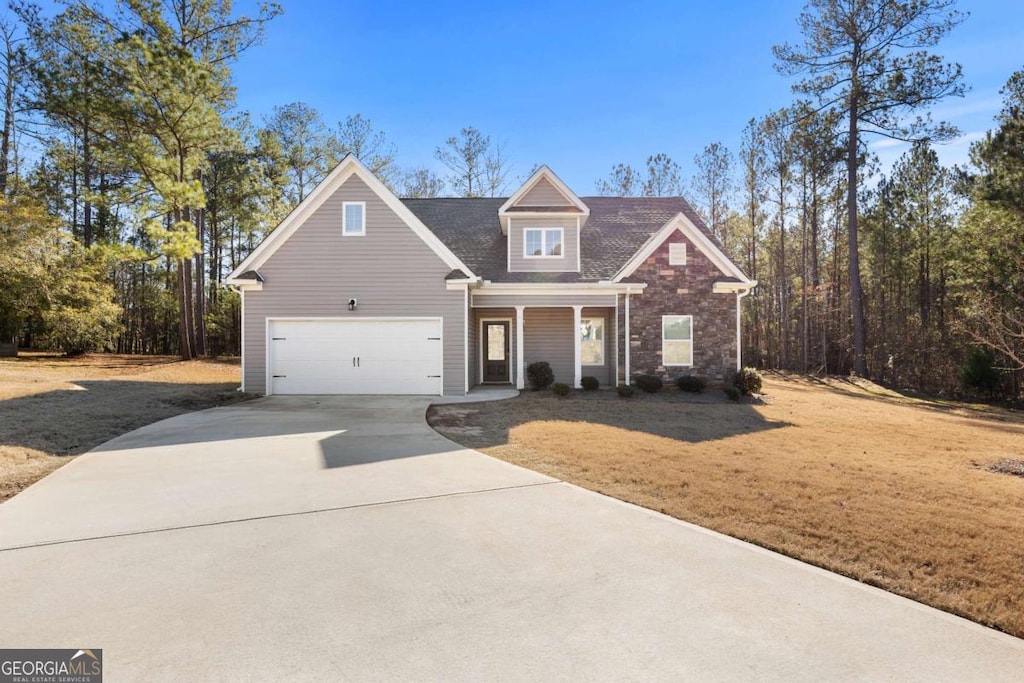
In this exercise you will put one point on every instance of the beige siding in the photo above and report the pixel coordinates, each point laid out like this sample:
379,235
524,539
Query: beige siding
476,350
548,336
603,373
545,300
391,272
543,194
570,244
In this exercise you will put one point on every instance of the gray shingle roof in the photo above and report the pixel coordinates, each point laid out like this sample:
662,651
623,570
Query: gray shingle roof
617,228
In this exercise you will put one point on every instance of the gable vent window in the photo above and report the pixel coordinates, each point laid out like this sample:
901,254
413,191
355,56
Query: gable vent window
353,219
677,254
542,243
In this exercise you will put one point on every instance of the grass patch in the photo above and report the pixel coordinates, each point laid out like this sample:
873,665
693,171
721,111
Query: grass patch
55,408
887,489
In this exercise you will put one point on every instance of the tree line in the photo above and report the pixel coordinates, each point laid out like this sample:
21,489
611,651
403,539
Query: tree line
130,185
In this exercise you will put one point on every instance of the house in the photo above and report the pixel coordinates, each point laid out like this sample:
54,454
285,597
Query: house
360,292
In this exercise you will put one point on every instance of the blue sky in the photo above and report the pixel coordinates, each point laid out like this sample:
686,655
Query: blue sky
579,86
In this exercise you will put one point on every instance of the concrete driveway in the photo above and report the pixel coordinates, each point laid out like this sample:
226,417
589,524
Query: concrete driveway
343,539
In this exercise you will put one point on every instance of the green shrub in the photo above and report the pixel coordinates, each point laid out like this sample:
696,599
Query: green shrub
748,381
733,393
625,391
561,389
648,383
979,371
540,375
691,383
589,383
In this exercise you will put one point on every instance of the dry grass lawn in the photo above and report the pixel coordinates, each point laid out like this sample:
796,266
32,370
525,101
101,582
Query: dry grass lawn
53,408
889,490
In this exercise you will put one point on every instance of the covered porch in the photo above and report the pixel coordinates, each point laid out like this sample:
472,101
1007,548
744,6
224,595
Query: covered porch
579,335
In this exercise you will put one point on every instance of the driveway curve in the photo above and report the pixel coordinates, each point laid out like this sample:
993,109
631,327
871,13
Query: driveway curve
331,538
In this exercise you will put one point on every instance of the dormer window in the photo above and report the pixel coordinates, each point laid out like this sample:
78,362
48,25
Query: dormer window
542,243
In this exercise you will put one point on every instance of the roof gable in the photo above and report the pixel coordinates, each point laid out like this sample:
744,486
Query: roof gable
543,192
347,168
697,237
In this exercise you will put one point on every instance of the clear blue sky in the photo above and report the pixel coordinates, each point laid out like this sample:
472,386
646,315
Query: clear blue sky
579,86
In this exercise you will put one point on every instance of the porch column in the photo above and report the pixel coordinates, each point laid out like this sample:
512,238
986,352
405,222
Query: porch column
627,378
577,312
520,383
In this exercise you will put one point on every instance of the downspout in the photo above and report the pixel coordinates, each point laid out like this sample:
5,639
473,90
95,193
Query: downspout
739,339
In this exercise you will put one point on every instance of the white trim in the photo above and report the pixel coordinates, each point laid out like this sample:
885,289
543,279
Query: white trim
508,247
578,246
544,242
664,363
696,236
577,313
728,287
604,339
520,355
243,285
546,288
542,172
674,259
739,330
615,381
344,219
626,378
241,295
480,347
347,319
465,341
345,169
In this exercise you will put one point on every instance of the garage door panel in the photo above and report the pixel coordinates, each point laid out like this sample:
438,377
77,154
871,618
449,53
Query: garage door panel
392,356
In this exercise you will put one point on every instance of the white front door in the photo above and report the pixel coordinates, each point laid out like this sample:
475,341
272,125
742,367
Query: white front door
375,356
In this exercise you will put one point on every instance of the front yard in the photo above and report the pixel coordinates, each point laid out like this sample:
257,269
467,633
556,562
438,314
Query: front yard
53,408
890,490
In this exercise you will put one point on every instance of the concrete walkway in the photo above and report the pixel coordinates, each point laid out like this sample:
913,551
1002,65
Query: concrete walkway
342,539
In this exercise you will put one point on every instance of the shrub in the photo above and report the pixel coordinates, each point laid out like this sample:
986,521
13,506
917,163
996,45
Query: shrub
589,383
625,391
561,389
979,371
748,381
648,383
540,375
691,383
733,393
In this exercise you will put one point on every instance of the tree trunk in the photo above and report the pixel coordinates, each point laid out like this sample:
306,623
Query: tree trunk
199,315
8,129
86,187
860,366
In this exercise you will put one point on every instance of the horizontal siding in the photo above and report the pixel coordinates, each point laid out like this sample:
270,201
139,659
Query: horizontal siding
390,270
547,300
570,244
548,336
543,194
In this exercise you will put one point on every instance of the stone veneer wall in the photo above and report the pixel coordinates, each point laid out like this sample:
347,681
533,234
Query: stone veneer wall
681,290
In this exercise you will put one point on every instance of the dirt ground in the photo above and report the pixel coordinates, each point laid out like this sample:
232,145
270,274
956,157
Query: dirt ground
54,408
889,490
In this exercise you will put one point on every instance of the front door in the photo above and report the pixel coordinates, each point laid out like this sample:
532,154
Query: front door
496,347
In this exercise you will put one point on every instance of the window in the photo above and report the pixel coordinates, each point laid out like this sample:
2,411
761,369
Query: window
542,243
592,341
677,254
353,219
676,340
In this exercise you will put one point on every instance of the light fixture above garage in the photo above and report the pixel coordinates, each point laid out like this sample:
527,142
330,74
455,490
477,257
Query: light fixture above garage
352,303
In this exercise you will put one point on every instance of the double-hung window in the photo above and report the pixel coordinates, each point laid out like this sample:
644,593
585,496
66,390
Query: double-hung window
592,341
353,219
676,340
542,242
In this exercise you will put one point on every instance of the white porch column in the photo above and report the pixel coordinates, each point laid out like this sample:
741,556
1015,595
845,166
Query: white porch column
577,313
520,372
627,339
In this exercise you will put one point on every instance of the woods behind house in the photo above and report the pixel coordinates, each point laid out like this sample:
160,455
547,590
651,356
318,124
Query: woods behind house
130,185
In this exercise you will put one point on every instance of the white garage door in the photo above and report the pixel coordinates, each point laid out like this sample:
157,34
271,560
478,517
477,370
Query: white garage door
379,356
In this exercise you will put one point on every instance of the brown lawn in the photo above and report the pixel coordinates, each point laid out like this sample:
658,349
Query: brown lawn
890,490
53,408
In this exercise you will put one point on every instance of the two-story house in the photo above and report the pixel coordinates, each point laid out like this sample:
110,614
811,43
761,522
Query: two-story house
361,292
